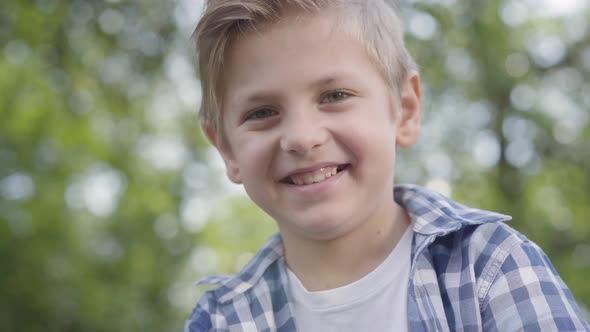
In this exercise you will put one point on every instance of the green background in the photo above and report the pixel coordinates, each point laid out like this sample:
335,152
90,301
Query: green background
112,202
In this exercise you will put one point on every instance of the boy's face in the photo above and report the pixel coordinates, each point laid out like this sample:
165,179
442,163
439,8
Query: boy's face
311,129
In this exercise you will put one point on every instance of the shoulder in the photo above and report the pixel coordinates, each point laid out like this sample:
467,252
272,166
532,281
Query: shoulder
515,284
237,304
205,315
524,291
492,251
489,244
228,302
478,248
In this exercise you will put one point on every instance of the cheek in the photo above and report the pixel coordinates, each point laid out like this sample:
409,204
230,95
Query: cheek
254,154
371,143
370,131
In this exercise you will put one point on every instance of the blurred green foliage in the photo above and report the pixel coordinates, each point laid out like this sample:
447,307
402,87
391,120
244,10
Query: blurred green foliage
112,202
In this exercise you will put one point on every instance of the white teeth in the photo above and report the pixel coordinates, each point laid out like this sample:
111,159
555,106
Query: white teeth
315,176
319,177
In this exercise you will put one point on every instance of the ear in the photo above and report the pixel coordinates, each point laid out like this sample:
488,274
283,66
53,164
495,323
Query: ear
408,128
231,165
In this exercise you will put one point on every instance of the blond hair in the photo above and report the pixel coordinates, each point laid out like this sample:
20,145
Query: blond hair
374,23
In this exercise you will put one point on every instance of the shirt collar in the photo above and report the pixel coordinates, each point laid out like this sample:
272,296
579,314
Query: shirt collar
432,215
435,214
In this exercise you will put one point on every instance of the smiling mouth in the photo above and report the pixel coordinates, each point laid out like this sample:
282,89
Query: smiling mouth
316,176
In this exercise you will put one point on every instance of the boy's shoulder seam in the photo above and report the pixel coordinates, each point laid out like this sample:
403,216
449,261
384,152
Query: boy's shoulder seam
513,245
497,259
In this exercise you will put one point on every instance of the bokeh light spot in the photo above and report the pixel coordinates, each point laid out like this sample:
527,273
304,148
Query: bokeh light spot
111,21
486,149
422,25
18,186
17,51
517,65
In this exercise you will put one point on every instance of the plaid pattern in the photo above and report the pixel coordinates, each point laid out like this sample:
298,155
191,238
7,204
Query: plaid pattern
470,272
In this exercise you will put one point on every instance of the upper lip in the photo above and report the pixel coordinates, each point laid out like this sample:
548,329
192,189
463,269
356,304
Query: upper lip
310,169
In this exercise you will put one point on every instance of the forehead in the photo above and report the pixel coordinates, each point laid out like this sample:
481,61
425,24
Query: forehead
296,51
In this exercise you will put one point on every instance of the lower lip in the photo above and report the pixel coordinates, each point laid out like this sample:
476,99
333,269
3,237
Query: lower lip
318,186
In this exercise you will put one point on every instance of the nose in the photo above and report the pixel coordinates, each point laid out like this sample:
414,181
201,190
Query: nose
302,133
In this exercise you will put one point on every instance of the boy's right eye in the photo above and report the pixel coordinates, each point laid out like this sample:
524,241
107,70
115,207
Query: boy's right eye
259,114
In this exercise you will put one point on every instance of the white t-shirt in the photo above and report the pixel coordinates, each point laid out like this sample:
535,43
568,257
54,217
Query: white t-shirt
376,302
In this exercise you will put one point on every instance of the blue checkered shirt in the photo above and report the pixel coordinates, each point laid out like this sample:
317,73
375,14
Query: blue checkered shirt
469,272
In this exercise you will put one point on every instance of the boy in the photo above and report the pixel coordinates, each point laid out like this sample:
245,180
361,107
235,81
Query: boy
307,100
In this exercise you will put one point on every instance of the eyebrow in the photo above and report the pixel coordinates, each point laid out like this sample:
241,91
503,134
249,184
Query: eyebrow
260,96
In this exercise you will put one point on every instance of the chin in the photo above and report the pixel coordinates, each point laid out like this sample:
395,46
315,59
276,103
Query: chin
324,229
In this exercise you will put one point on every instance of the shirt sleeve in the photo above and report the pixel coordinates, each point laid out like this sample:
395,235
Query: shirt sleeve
527,294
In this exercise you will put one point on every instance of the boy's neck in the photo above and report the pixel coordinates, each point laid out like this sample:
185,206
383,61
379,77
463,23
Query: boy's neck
323,265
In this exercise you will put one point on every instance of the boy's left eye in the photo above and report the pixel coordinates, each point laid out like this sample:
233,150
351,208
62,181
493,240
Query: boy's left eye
334,97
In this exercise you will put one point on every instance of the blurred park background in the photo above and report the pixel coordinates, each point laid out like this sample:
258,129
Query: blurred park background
112,203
